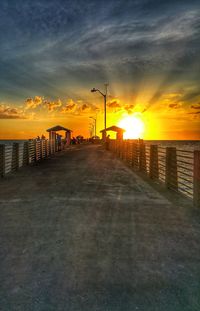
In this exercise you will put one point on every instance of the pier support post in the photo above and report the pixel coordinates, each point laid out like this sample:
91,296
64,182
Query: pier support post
196,177
15,157
171,177
153,167
2,160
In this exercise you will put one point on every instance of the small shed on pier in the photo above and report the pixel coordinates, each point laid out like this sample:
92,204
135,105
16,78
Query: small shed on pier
53,130
119,131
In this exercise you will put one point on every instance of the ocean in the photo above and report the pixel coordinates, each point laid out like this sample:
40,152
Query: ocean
10,142
189,145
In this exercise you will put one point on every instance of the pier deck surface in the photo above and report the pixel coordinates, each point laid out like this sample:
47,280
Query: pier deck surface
81,231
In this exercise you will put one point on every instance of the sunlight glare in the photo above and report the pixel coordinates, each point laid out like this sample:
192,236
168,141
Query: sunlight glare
134,127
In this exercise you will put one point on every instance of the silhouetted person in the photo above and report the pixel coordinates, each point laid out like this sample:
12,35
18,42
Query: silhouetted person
73,141
59,140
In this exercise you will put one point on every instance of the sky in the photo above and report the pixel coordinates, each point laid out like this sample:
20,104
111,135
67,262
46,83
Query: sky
52,53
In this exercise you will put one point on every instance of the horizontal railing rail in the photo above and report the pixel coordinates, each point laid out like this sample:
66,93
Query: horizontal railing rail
14,156
178,170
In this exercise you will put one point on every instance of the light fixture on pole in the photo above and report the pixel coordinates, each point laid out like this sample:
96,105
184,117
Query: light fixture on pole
105,99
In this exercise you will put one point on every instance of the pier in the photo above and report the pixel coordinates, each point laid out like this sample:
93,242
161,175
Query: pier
82,230
178,170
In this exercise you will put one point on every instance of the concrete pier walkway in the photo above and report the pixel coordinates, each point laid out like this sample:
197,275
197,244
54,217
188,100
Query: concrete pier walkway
81,231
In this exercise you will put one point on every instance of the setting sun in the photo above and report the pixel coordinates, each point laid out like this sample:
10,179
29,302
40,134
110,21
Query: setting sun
133,125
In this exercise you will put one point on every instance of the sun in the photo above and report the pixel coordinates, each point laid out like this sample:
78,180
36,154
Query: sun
133,125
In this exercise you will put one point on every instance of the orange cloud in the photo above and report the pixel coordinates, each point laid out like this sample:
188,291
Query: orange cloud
197,106
7,112
84,107
175,106
113,104
53,105
68,108
129,108
32,103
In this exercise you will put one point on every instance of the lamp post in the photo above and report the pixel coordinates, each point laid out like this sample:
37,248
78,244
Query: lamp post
95,125
105,99
91,130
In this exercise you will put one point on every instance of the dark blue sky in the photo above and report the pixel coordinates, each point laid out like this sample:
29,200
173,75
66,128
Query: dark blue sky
61,48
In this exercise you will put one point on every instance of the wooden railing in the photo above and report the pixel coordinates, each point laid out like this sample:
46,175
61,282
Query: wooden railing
178,170
14,156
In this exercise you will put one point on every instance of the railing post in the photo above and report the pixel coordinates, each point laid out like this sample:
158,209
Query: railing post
2,160
196,177
171,175
124,150
128,157
35,150
38,150
25,154
15,157
118,148
153,167
135,155
110,145
142,157
115,146
121,149
42,149
46,148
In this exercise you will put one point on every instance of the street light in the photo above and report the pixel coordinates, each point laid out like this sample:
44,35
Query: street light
91,129
95,125
105,98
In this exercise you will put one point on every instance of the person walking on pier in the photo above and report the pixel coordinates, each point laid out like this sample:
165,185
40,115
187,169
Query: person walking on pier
59,140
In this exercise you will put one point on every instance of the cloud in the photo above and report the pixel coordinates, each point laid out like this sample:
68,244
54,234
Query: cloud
52,105
32,103
197,106
38,101
129,108
113,104
78,107
175,106
84,107
68,108
196,112
7,112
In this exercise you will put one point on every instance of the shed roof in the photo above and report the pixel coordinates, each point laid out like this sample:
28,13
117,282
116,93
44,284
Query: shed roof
113,128
58,128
